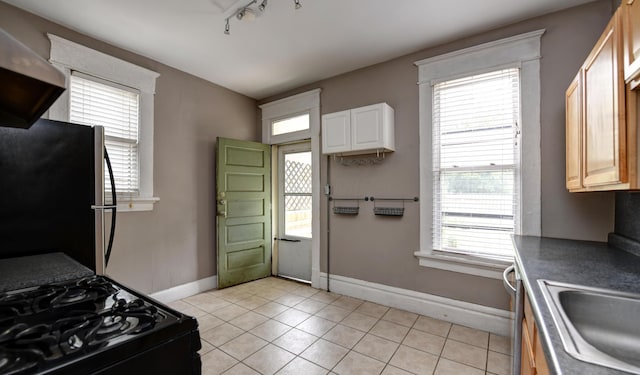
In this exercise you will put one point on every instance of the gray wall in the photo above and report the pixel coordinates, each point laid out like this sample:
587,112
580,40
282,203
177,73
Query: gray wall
380,249
175,243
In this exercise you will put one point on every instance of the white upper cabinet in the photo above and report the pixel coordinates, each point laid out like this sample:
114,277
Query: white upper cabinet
359,131
336,132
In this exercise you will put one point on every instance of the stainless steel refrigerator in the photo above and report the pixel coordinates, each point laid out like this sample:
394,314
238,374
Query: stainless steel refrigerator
52,196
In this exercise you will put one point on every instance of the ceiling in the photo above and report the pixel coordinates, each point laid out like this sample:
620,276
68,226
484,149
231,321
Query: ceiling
283,47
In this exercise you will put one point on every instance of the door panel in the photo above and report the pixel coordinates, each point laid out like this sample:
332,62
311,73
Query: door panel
243,191
294,211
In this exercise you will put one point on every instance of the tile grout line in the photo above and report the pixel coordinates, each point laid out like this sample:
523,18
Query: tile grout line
337,323
443,345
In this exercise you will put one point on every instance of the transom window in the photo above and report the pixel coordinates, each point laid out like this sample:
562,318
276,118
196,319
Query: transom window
290,125
475,164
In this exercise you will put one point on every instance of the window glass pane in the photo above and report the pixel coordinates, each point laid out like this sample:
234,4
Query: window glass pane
297,219
116,108
297,194
475,158
290,125
297,172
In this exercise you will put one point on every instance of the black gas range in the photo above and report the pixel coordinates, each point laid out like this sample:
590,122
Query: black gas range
93,325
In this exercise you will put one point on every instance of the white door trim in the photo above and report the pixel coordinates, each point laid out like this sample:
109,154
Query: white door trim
279,229
304,102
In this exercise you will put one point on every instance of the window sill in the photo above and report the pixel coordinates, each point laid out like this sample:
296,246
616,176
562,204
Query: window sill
136,204
463,264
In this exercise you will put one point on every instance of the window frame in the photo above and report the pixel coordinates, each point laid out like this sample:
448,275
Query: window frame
69,56
520,51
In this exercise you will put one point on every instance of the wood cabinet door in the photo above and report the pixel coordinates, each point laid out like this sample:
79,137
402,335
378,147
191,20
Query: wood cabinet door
542,368
604,111
574,133
527,364
631,37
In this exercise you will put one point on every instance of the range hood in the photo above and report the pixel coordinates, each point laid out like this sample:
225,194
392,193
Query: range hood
28,83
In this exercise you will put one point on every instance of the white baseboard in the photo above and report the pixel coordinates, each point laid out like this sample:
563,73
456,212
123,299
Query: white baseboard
186,290
463,313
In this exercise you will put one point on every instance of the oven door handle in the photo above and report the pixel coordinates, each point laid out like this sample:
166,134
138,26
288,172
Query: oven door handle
505,279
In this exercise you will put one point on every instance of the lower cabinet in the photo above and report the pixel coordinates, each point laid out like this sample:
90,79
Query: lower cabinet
533,359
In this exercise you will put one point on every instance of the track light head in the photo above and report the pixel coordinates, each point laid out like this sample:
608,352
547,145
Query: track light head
248,13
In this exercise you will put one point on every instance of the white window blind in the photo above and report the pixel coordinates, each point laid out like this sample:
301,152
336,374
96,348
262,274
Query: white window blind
476,164
115,107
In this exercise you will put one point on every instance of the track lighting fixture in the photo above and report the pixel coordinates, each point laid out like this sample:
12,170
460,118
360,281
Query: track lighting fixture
248,13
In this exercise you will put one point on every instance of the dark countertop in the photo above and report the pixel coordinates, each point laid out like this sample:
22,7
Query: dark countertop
594,264
34,270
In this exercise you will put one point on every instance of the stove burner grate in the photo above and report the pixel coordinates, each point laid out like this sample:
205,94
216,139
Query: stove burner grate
16,362
41,326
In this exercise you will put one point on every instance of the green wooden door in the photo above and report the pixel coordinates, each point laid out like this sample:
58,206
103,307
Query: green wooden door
243,191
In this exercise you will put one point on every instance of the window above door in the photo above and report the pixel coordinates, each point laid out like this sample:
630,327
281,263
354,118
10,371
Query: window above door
291,119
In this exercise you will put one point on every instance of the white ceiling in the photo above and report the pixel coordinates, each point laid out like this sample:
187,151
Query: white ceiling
282,48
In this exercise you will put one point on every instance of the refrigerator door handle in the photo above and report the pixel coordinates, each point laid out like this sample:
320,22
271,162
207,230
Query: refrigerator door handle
107,207
113,208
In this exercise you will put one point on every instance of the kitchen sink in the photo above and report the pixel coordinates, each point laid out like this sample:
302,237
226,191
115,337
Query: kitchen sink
599,326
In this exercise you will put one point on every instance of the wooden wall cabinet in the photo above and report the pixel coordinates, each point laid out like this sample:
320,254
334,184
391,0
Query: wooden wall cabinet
631,39
600,119
359,131
533,361
574,133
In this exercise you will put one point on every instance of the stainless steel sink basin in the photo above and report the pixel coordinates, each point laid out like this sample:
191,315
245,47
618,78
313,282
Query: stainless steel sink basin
599,326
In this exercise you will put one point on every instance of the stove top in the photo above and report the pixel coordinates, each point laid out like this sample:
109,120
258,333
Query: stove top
46,326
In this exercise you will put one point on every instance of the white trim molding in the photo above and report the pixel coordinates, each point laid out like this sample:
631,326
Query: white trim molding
185,290
306,102
69,56
522,51
462,264
464,313
301,103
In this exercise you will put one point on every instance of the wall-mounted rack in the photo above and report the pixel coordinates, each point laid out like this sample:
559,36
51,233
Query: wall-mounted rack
377,210
349,161
391,211
347,210
332,198
414,199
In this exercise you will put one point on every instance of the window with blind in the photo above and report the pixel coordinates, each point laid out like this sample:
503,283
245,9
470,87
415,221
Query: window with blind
115,107
476,164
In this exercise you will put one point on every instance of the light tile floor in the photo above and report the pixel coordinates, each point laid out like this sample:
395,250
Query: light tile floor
277,326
